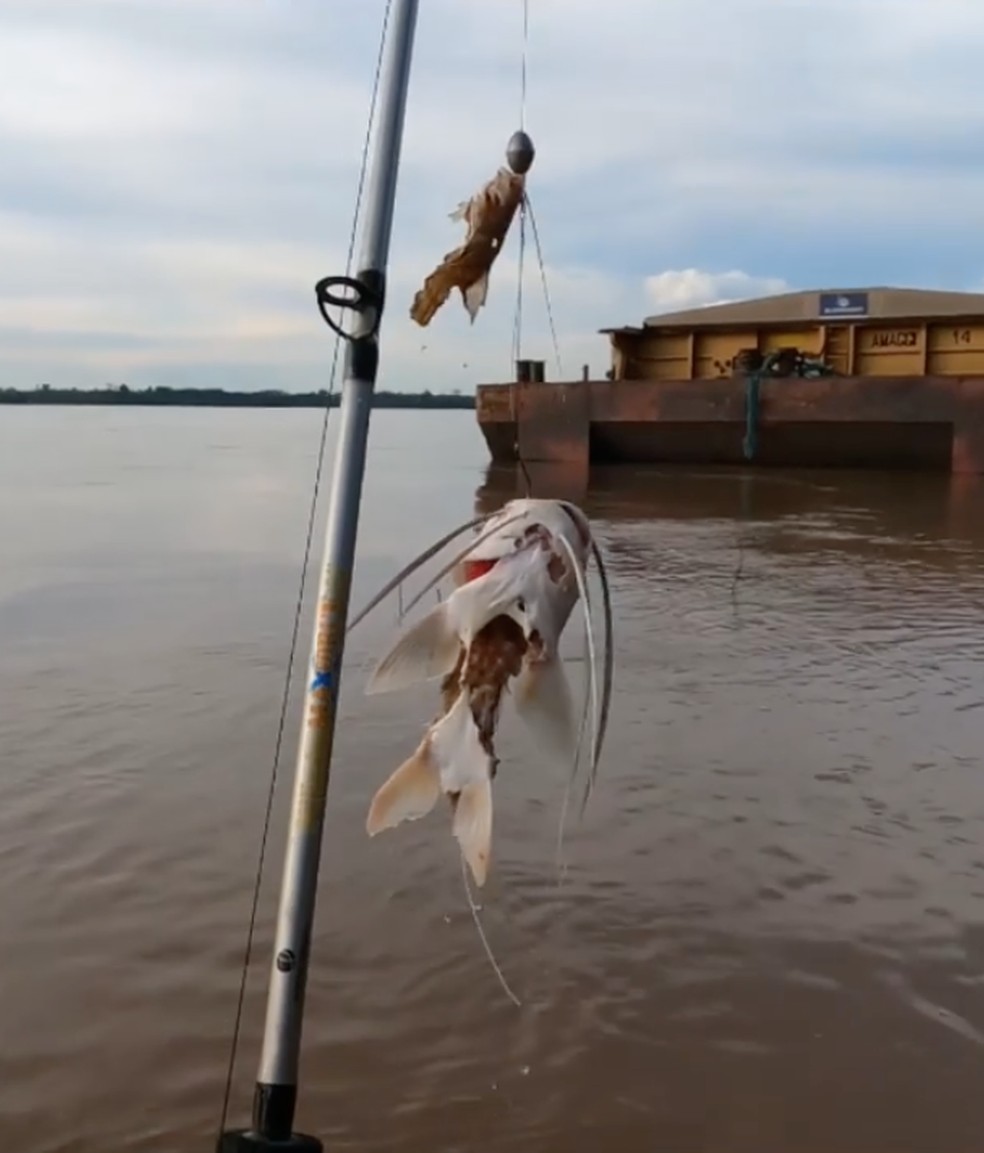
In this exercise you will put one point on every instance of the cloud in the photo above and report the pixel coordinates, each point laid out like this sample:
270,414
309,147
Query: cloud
178,173
690,288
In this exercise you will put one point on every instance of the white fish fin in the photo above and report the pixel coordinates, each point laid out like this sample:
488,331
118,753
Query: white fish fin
472,826
445,569
430,649
456,749
409,793
542,696
475,295
465,768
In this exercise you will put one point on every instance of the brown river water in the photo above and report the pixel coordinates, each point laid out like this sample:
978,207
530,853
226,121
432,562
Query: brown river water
771,931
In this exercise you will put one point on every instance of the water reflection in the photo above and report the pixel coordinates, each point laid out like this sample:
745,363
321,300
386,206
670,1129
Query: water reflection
771,935
898,518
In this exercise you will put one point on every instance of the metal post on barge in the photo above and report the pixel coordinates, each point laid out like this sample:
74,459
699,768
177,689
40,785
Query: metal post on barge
276,1089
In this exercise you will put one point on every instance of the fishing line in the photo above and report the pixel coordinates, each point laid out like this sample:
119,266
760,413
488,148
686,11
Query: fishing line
591,702
518,320
485,941
525,54
740,566
546,288
281,725
576,764
591,697
518,335
739,570
517,340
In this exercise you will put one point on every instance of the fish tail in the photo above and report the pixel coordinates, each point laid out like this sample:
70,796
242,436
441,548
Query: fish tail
451,759
409,793
466,768
475,295
472,827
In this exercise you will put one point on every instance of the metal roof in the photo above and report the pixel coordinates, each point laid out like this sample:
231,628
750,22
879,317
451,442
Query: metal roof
880,303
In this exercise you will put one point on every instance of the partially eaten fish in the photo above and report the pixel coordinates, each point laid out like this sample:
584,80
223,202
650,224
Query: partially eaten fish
515,590
487,215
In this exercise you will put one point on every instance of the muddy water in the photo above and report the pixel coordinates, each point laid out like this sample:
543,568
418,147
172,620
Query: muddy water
771,933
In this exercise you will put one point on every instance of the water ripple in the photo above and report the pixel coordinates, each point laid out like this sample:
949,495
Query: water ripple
774,901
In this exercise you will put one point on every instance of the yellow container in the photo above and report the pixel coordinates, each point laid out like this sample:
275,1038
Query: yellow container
896,332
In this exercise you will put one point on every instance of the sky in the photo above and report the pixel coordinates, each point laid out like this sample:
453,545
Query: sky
177,174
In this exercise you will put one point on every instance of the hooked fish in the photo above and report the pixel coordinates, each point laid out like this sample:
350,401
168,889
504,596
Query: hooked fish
514,593
487,216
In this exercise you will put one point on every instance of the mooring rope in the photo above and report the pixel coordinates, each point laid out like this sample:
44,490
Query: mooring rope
281,725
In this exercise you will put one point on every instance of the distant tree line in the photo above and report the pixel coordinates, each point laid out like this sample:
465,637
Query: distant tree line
221,398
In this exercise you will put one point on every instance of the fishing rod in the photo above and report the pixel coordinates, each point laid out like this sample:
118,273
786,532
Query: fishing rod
275,1094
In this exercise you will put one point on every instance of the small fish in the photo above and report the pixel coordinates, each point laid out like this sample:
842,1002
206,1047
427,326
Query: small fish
487,216
515,590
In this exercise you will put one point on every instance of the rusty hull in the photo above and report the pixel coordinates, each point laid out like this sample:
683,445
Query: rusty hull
931,423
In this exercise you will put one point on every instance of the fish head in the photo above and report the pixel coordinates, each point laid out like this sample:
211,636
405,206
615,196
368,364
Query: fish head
523,570
543,593
499,537
555,517
581,524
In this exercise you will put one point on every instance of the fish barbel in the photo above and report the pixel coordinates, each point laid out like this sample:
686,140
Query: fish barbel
514,594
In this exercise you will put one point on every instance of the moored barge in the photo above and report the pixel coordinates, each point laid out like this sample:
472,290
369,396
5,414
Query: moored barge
856,378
